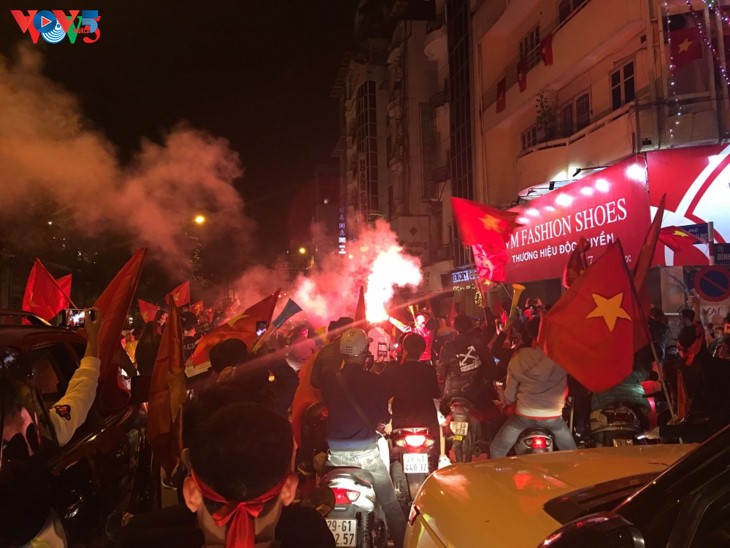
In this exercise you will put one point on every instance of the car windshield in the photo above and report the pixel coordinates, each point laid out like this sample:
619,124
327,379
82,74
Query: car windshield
596,498
662,496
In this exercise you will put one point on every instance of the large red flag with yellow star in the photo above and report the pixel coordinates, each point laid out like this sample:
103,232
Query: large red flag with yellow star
589,332
482,225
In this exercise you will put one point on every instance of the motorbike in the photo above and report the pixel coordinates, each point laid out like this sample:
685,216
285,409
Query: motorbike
615,425
463,429
353,520
410,461
534,440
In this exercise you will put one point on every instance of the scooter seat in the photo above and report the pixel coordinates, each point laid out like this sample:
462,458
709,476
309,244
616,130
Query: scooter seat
352,472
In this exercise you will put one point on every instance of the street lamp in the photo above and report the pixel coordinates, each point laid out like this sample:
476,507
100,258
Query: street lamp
199,219
302,250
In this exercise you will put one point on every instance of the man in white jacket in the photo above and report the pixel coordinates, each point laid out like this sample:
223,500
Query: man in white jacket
537,386
20,443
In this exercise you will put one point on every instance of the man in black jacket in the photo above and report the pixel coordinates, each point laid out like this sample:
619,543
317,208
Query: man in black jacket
357,403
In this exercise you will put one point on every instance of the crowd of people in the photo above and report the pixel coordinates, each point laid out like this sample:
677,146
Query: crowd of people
237,478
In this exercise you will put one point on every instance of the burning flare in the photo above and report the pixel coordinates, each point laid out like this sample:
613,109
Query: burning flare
391,268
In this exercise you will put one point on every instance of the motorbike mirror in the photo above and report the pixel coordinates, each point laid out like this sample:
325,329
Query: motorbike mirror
599,530
321,499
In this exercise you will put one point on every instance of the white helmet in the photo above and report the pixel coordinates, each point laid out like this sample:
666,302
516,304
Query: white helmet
354,342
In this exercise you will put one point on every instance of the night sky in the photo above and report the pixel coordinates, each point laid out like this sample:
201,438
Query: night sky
256,73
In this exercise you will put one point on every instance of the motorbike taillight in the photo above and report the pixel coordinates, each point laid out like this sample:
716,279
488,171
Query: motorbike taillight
538,442
415,440
344,496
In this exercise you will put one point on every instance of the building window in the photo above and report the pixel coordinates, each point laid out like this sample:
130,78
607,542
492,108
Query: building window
566,120
566,8
529,138
530,47
576,115
622,86
582,112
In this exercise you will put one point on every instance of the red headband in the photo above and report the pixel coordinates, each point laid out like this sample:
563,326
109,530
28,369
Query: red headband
239,513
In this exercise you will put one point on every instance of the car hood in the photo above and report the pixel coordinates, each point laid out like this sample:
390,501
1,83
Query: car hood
500,502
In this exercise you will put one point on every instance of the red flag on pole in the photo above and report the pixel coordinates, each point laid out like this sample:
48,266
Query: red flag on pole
360,307
646,254
577,262
481,224
180,295
43,296
197,308
522,73
242,327
64,285
677,239
546,49
490,263
502,95
114,304
590,330
167,394
148,311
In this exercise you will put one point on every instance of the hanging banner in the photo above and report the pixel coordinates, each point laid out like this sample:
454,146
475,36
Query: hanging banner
604,207
696,181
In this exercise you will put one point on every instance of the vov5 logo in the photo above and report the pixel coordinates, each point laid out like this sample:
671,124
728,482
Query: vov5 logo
56,25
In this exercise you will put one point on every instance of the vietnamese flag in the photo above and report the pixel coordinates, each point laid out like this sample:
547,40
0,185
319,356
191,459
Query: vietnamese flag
242,327
43,295
180,295
167,394
490,263
677,239
64,286
480,224
197,308
114,304
501,95
522,73
685,46
577,262
589,332
148,311
546,49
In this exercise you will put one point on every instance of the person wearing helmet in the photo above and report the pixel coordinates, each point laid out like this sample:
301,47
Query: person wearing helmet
357,403
413,387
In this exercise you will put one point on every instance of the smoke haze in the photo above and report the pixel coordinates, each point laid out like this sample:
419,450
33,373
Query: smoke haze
47,149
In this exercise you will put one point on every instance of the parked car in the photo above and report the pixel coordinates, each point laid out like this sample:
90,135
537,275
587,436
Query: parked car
503,502
687,505
107,465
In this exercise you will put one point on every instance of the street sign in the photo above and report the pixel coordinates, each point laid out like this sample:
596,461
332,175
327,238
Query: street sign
722,254
713,283
700,231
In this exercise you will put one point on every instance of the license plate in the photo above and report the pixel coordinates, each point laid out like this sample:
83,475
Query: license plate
344,531
459,428
458,438
621,442
415,463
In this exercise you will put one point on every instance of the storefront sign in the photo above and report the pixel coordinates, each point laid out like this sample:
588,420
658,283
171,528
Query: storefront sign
463,276
608,206
695,181
700,231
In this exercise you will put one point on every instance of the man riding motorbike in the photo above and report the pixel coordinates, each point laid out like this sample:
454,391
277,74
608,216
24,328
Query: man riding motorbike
536,385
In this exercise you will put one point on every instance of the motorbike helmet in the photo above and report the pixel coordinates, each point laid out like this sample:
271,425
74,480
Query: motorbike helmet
354,342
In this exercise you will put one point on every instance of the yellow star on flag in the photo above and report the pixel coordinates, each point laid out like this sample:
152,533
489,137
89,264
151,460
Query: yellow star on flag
684,46
609,309
680,233
491,223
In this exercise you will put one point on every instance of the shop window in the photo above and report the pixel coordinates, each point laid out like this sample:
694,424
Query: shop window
566,120
622,86
530,47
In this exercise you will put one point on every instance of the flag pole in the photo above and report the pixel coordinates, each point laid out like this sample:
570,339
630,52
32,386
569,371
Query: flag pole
68,298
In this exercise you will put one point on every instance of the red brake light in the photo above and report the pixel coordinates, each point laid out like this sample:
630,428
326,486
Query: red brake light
344,496
538,442
415,440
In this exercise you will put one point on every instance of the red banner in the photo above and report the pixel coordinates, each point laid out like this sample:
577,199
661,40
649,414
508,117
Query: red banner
604,207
